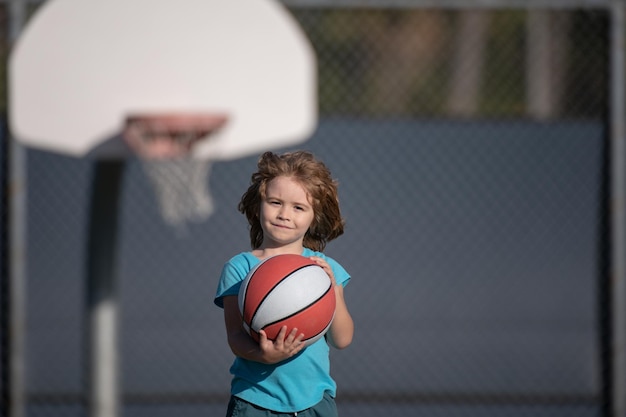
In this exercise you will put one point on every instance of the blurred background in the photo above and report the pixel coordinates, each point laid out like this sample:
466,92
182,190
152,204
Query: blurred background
471,146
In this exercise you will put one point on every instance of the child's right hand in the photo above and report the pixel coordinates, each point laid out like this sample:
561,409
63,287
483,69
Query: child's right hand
284,347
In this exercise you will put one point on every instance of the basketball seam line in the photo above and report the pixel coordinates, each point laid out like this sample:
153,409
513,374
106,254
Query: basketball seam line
272,289
302,309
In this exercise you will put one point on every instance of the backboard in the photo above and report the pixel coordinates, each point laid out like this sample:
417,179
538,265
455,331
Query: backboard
81,67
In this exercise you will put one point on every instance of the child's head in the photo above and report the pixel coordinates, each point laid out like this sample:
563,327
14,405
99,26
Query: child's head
314,177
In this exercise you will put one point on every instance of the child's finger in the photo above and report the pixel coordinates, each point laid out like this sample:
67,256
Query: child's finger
292,335
280,337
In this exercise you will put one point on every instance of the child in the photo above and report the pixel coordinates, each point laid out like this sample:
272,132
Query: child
292,207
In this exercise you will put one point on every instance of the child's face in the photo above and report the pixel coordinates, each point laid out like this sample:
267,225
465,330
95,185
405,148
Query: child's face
286,212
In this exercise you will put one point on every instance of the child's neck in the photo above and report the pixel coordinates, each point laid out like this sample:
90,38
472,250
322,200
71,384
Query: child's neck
266,252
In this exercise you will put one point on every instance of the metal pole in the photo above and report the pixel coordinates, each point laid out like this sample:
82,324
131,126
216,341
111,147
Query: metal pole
102,302
17,248
618,208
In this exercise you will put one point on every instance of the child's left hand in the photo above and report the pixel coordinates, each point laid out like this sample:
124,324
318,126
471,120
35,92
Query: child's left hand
325,266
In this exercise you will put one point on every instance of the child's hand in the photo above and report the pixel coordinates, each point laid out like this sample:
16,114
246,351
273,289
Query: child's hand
284,347
325,266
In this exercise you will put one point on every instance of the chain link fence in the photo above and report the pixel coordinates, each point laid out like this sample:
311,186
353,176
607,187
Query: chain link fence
470,146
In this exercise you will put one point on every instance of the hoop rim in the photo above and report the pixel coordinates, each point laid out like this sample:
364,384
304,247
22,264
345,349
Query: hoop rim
179,121
168,135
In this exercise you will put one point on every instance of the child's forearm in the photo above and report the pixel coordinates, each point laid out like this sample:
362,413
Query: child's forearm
240,342
242,345
342,330
266,351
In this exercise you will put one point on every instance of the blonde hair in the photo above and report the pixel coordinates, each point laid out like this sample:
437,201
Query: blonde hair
315,178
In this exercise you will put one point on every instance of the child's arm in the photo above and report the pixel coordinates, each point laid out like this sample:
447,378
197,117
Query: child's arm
342,329
266,351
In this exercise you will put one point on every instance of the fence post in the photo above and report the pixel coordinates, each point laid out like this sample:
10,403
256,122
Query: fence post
17,248
618,209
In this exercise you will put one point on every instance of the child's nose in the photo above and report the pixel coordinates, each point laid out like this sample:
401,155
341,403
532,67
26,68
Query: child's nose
282,214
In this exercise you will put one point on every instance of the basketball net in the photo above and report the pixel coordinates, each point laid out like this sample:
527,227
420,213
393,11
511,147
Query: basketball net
163,143
181,188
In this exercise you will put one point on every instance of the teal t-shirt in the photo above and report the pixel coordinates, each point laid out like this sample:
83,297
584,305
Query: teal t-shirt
289,386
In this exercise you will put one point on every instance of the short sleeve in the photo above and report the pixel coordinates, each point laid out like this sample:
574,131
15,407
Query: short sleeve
341,275
233,273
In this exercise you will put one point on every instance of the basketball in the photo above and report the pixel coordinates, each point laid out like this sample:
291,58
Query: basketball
287,290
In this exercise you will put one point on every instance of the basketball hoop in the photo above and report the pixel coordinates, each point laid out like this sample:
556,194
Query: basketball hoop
169,135
163,143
